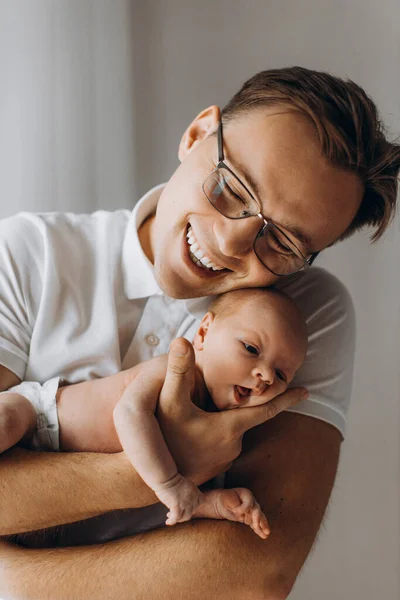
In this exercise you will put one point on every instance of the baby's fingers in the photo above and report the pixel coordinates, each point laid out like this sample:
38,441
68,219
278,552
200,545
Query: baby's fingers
173,516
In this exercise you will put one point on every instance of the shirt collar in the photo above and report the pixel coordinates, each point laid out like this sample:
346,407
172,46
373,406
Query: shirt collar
139,280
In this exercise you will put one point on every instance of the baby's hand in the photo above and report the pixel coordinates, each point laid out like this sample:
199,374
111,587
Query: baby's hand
181,496
237,504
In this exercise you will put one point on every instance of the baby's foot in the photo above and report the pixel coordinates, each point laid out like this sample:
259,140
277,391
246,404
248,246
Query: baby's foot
237,504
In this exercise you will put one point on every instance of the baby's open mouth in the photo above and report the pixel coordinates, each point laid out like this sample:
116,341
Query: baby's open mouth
241,393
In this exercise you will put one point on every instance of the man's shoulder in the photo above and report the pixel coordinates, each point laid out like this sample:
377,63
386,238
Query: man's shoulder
317,292
27,233
29,222
328,368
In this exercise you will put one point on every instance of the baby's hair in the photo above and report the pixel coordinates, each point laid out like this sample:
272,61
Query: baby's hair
228,303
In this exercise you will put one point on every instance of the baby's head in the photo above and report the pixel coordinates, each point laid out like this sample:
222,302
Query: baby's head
251,341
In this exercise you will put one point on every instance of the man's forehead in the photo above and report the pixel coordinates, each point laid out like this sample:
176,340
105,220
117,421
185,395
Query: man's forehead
279,158
298,232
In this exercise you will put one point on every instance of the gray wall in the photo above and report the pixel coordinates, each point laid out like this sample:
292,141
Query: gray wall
94,96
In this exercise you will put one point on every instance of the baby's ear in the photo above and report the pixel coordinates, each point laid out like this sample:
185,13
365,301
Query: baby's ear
199,338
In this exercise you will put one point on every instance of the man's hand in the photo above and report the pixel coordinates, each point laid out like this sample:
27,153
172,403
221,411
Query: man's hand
205,444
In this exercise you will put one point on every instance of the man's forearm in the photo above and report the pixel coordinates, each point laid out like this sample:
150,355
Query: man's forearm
289,464
42,489
194,560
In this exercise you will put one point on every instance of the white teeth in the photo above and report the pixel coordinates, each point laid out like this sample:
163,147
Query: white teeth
198,255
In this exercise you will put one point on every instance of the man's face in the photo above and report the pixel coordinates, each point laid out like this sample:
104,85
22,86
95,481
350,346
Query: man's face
275,148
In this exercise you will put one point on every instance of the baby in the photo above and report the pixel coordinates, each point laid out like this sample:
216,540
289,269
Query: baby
247,350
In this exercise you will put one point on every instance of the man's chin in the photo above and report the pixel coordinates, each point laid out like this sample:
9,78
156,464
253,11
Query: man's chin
179,289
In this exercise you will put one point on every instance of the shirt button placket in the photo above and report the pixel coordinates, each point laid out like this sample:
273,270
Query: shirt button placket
152,339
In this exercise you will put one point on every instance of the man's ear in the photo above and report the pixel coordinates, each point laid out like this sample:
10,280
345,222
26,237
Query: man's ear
200,336
199,129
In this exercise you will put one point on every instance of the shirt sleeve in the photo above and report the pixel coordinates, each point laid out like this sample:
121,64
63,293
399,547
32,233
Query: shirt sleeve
21,257
327,371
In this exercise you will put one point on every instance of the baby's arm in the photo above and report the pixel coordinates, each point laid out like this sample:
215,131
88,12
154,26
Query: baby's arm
144,444
17,419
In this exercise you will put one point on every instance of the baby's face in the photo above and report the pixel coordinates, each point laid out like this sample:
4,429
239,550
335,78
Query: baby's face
251,355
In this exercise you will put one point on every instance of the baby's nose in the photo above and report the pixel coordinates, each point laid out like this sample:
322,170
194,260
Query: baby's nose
264,375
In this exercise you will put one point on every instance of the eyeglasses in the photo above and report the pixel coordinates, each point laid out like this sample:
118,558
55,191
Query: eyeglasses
230,197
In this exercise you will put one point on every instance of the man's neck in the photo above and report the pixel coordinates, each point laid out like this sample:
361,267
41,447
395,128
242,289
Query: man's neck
145,237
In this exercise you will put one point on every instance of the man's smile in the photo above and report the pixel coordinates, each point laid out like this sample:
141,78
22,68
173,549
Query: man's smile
195,257
198,255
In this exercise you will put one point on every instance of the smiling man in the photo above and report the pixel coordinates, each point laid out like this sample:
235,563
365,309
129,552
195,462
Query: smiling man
286,182
296,161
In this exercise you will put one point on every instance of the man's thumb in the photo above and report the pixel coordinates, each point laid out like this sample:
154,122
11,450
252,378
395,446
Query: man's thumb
249,417
180,373
179,348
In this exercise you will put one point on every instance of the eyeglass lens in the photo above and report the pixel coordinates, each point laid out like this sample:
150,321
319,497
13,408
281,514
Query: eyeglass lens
229,197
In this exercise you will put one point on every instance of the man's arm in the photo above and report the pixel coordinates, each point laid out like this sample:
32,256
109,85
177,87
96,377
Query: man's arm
43,489
289,463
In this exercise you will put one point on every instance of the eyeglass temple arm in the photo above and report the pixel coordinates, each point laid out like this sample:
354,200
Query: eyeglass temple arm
312,258
220,145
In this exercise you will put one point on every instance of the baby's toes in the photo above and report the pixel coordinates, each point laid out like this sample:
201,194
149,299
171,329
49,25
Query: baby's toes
260,523
247,517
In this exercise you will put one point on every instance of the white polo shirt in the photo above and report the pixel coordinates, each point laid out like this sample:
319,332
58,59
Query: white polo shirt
78,299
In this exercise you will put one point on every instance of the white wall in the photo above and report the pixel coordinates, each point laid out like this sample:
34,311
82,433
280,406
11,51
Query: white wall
94,96
66,105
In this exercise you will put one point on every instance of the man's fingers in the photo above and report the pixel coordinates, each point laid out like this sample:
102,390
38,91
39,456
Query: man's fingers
243,419
180,373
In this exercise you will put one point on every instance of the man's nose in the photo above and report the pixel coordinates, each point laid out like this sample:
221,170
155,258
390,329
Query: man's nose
235,237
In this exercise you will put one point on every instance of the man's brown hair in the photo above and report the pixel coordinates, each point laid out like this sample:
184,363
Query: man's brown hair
351,135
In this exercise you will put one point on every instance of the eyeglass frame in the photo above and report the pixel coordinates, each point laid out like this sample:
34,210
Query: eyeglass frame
307,262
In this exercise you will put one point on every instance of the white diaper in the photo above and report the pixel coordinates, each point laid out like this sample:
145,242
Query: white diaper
43,398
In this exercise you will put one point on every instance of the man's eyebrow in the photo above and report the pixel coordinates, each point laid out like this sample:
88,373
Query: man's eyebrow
298,233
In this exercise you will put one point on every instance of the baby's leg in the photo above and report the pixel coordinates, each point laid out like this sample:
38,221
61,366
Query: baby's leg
236,504
17,419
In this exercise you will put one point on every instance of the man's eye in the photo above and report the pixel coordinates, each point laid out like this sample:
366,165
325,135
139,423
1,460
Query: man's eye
279,246
251,349
234,195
